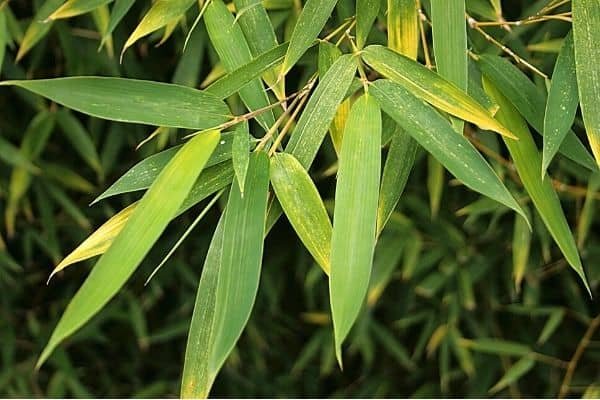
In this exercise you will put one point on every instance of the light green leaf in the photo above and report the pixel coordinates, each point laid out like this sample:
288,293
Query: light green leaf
228,40
311,21
38,28
551,325
521,245
496,346
562,103
79,138
160,14
12,156
435,184
240,154
72,8
366,13
142,229
586,35
303,206
514,373
431,87
4,36
243,233
118,11
432,131
527,160
531,103
130,100
403,27
355,216
588,211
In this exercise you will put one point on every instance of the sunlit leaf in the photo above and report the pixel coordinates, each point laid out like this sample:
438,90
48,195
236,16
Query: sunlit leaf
72,8
38,28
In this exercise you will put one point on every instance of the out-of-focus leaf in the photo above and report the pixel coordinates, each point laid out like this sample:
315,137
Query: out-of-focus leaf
431,87
355,216
366,13
561,104
497,346
530,101
551,325
527,160
130,100
514,373
436,135
521,245
303,206
38,28
12,156
586,35
72,8
435,184
160,14
588,211
4,36
142,229
312,19
79,138
388,254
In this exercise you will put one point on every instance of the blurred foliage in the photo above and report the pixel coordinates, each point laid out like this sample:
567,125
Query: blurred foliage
444,316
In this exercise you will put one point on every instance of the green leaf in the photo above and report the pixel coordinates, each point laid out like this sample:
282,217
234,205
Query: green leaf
303,206
237,79
79,138
243,233
38,28
4,36
12,156
142,229
311,21
586,35
528,160
521,246
431,87
355,216
240,154
530,101
130,100
72,8
551,325
118,11
435,184
497,346
366,13
320,109
514,373
403,27
562,103
432,131
228,40
160,14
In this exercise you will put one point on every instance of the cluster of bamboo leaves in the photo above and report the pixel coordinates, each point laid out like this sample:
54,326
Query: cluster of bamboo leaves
357,84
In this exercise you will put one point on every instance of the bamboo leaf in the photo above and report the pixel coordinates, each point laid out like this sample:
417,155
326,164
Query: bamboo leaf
530,101
79,138
12,156
403,27
243,233
4,36
118,11
228,40
431,87
130,100
72,8
450,40
311,21
514,373
436,135
160,14
521,245
303,206
366,13
561,104
38,28
140,232
551,325
527,160
497,346
355,216
240,155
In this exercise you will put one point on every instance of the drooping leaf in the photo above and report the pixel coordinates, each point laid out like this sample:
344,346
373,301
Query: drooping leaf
72,8
527,160
530,101
79,138
366,13
436,135
561,104
243,233
521,245
431,87
586,35
130,100
311,21
142,229
38,28
355,216
551,325
240,154
118,11
514,373
303,206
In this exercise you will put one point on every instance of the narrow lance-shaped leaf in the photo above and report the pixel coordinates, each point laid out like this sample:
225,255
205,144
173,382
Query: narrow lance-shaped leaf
432,131
311,21
4,36
514,373
366,13
231,45
403,27
562,102
38,28
528,160
160,14
521,245
303,206
72,8
530,101
118,11
130,100
431,87
586,35
243,233
355,216
142,229
240,154
79,138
